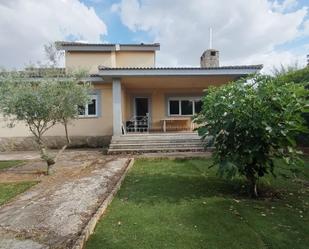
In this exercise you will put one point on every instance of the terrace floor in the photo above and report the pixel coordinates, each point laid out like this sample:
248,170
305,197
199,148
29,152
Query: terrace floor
52,213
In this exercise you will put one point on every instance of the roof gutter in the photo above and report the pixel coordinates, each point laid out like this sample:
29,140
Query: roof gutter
107,47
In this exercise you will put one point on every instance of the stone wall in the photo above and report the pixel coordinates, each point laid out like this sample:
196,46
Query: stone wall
52,142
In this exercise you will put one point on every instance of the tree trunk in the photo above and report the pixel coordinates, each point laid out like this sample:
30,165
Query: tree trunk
253,185
50,161
65,123
254,191
44,155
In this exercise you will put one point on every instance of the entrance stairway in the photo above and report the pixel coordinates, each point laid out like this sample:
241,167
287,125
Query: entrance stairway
155,142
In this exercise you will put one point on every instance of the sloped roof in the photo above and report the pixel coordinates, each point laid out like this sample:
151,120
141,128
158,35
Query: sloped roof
258,67
179,71
80,46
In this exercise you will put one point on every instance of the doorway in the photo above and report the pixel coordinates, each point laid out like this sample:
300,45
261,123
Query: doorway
141,106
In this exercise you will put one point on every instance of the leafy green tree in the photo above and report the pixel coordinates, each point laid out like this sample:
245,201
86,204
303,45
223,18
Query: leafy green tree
53,54
298,76
285,69
252,123
42,102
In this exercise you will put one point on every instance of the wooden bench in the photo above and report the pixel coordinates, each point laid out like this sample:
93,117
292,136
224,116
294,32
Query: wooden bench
173,120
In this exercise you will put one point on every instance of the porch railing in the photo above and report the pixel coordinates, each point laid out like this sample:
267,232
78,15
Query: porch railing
138,124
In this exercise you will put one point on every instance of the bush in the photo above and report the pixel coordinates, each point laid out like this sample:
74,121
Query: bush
299,76
253,124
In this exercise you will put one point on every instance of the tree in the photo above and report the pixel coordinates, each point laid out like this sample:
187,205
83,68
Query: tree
42,103
298,76
285,69
253,123
53,55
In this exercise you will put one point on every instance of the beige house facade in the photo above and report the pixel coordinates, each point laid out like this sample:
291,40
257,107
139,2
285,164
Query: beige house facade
130,94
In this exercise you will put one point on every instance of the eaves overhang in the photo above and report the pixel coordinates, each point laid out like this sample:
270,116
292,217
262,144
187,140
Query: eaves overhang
149,72
105,47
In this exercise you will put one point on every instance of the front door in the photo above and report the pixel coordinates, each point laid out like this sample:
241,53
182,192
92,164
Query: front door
141,107
142,114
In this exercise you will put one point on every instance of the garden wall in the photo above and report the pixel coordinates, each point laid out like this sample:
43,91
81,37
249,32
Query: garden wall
52,142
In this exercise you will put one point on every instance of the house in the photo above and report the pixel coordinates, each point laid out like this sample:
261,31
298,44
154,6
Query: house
131,94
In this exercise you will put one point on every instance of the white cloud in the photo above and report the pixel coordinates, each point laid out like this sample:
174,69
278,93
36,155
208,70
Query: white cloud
274,59
306,28
243,32
285,5
25,26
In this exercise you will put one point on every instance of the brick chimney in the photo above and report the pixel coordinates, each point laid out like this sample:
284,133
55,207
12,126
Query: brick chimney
210,58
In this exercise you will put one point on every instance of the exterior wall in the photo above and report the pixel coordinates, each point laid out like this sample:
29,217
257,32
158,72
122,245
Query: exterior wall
53,142
96,130
88,60
161,88
135,59
158,102
87,128
91,60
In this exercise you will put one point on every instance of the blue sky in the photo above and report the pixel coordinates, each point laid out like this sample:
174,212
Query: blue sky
269,32
119,33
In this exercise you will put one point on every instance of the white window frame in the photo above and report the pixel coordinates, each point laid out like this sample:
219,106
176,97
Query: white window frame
179,99
86,115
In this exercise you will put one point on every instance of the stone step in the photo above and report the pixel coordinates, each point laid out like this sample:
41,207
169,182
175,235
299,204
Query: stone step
156,141
159,134
155,149
155,138
131,146
157,144
162,136
161,142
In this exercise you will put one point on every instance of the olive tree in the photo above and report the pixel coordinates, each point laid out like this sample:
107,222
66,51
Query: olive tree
252,123
42,102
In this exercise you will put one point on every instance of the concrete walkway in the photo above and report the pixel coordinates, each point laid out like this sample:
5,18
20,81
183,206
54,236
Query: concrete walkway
19,155
53,213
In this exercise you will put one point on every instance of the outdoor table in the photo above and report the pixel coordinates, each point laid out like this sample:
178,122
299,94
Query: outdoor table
173,119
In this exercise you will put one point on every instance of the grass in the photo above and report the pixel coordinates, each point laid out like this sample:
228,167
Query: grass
9,164
10,190
182,204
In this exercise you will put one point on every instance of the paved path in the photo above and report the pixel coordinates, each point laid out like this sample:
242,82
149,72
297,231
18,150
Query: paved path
35,155
51,214
19,155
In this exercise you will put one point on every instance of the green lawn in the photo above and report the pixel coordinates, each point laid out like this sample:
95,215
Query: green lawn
179,204
9,164
10,190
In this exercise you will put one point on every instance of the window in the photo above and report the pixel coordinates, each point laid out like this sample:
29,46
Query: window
174,107
90,109
184,106
198,106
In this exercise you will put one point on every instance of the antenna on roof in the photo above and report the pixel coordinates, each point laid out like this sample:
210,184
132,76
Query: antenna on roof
210,38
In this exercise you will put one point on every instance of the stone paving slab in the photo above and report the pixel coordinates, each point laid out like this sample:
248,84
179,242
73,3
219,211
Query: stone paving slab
52,214
34,155
174,155
19,155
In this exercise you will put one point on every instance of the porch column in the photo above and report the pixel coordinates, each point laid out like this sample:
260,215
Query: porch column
117,112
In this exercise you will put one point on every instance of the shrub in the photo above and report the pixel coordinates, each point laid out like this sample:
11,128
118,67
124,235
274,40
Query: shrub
252,124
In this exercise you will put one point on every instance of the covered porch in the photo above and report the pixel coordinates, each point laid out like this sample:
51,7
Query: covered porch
162,100
159,104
